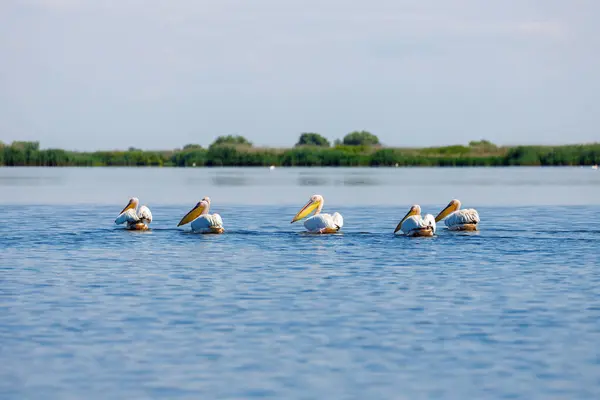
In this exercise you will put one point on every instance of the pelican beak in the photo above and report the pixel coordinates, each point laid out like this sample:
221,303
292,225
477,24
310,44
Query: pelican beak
450,208
193,214
306,210
410,213
129,205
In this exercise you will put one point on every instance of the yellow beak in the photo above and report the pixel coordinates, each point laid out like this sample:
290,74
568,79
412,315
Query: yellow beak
450,208
129,205
410,213
192,215
306,210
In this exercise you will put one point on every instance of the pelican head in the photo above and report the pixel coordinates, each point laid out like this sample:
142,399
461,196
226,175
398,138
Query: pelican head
133,204
200,208
414,210
315,202
454,205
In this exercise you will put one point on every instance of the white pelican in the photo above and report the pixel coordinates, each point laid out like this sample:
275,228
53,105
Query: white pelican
137,220
202,221
413,224
457,219
319,223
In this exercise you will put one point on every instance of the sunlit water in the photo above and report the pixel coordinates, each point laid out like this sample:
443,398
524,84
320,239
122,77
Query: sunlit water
88,310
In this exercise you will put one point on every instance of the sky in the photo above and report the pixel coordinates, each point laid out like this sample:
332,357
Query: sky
88,75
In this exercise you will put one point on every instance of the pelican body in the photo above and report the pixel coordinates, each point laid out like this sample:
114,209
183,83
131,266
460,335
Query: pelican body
202,221
136,220
413,224
457,219
319,223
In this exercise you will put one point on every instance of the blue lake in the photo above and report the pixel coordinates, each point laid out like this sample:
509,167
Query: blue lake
89,310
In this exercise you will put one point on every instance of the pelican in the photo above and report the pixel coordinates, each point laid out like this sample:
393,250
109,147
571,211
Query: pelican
319,223
457,219
137,220
413,224
202,221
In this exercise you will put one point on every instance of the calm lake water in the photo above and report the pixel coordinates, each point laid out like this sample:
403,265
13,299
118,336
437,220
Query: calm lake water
88,310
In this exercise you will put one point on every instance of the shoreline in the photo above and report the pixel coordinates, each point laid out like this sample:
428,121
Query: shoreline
476,154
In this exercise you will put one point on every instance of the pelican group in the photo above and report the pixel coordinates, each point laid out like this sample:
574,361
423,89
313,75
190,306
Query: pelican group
457,219
414,224
202,221
137,220
319,223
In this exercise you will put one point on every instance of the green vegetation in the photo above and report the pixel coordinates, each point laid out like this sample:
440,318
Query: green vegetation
311,150
230,140
360,138
312,139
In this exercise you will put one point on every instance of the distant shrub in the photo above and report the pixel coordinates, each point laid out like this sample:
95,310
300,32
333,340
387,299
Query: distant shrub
231,140
483,146
312,139
361,138
192,146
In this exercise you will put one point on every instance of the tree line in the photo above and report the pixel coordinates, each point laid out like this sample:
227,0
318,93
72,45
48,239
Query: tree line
360,148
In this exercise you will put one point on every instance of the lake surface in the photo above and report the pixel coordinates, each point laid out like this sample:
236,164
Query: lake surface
88,310
397,187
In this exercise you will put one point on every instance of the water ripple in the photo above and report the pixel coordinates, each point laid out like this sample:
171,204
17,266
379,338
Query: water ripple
265,311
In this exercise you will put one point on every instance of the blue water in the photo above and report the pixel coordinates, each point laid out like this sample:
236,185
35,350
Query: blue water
89,310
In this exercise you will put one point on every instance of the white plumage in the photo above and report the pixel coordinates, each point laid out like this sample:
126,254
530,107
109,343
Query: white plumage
128,216
413,225
135,218
457,219
202,221
320,222
462,217
207,223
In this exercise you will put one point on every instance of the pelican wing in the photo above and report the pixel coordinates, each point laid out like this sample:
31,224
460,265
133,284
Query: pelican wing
461,217
145,215
207,222
338,220
416,222
430,221
217,221
128,216
323,221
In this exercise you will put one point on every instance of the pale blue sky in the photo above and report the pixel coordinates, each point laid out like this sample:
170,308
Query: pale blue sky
159,74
